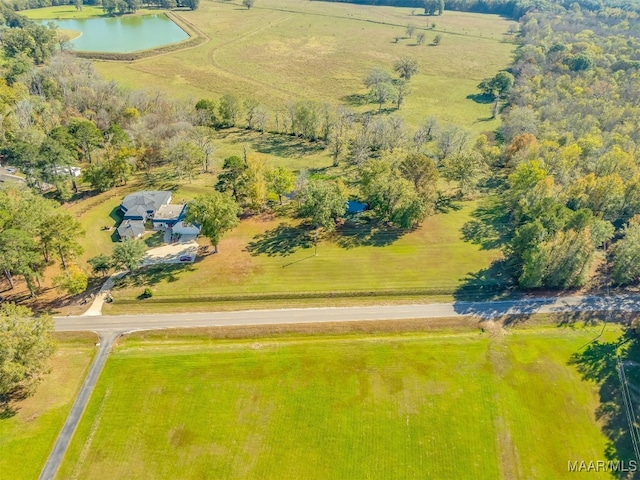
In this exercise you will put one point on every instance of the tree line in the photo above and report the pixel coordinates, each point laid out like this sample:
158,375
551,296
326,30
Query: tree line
36,232
570,166
109,6
512,8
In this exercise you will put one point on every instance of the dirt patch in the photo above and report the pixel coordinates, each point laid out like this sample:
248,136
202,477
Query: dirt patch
80,337
180,436
509,460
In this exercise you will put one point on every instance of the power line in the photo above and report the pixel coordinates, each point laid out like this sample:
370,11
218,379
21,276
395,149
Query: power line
629,410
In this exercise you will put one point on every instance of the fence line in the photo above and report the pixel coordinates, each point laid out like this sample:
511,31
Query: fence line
320,294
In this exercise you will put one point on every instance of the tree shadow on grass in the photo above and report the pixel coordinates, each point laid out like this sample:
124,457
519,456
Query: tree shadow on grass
481,98
598,362
156,239
9,403
490,226
366,233
281,241
161,180
447,203
356,99
492,283
286,146
153,274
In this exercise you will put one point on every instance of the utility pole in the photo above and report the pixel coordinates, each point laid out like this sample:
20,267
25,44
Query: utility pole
315,242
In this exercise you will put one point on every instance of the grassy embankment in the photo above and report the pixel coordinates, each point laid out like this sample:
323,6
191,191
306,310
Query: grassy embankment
449,404
27,438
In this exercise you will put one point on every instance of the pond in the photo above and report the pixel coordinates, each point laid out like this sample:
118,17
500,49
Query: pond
122,34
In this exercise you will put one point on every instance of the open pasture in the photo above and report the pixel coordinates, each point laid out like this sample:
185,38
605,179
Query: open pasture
405,405
282,51
27,437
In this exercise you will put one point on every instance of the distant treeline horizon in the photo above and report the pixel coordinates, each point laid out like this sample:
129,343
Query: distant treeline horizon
510,8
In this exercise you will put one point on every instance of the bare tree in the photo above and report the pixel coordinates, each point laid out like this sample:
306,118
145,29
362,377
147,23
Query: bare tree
402,90
261,119
251,106
339,135
202,137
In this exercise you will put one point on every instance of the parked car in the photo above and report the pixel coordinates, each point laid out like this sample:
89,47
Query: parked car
186,258
10,169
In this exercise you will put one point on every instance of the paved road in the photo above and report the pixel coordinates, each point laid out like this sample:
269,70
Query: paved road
124,323
70,425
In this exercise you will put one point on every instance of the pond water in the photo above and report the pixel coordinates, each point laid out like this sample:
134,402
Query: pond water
122,34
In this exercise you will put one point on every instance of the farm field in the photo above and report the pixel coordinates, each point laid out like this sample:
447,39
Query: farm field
281,51
27,437
404,405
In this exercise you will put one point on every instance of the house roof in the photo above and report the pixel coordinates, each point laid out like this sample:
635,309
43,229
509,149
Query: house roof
131,229
169,212
149,200
137,211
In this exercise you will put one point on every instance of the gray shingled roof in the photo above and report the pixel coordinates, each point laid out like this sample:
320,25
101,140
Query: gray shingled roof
169,212
131,229
149,200
137,211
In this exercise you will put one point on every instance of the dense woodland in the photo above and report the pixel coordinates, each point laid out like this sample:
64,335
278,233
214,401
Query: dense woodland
571,147
561,177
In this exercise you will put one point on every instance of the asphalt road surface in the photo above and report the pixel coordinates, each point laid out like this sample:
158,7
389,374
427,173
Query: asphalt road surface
126,323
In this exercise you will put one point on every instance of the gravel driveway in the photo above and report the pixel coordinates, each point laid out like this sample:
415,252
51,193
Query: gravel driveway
171,253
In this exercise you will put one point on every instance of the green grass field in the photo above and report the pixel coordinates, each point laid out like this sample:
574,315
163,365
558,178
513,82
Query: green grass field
27,437
269,255
412,405
287,50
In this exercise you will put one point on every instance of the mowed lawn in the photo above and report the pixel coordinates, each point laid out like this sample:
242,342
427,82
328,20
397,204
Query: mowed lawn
27,438
270,255
398,406
281,51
